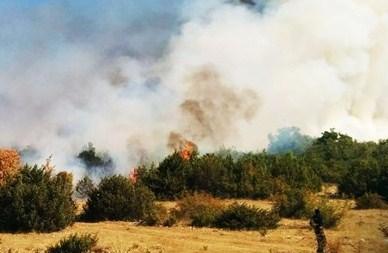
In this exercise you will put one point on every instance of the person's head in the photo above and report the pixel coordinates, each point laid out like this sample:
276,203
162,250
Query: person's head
316,211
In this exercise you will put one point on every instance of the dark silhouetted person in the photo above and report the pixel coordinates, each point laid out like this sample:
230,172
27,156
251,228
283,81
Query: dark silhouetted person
316,222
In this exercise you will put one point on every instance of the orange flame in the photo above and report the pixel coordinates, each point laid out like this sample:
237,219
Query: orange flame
187,150
133,175
180,144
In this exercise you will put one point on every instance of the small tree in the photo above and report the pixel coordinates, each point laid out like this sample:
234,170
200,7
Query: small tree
35,200
117,198
84,187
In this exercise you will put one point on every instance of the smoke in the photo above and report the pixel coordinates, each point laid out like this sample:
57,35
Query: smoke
124,75
78,72
313,64
288,140
212,109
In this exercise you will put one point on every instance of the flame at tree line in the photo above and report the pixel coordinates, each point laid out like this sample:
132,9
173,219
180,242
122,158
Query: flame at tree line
177,143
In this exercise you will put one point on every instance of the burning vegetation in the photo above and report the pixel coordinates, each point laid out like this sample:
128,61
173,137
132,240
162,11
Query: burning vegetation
133,175
179,144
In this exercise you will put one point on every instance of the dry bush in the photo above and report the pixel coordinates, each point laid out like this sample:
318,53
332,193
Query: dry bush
291,203
384,229
10,163
371,201
331,211
190,204
157,216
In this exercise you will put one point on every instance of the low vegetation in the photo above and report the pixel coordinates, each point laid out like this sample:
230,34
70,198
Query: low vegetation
203,210
244,217
75,244
158,215
371,201
191,203
332,213
301,204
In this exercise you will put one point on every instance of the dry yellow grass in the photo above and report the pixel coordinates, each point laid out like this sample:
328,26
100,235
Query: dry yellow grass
359,232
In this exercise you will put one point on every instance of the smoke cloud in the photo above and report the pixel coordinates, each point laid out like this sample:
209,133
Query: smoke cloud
124,76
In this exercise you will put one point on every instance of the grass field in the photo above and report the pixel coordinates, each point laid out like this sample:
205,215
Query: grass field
359,232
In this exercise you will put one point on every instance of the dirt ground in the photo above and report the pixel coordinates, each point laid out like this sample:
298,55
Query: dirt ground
358,232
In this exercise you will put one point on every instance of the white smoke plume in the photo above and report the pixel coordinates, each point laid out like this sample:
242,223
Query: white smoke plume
312,64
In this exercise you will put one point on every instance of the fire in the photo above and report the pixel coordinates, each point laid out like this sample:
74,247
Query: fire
9,162
187,151
179,144
133,175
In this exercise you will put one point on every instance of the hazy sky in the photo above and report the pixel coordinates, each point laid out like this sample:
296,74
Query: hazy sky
132,26
126,74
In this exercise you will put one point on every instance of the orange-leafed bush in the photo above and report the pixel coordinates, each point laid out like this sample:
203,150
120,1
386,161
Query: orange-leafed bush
9,163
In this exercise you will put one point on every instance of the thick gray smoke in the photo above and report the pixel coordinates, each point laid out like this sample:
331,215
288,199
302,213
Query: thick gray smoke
125,75
72,74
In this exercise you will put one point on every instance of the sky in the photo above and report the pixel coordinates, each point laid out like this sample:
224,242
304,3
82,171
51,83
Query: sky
131,24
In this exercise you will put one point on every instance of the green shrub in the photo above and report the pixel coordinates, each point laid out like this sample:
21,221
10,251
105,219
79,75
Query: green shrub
331,216
244,217
74,244
204,216
291,204
370,201
117,198
157,216
168,179
35,200
84,187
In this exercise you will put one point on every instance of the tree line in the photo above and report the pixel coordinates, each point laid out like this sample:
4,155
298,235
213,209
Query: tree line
36,199
356,167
